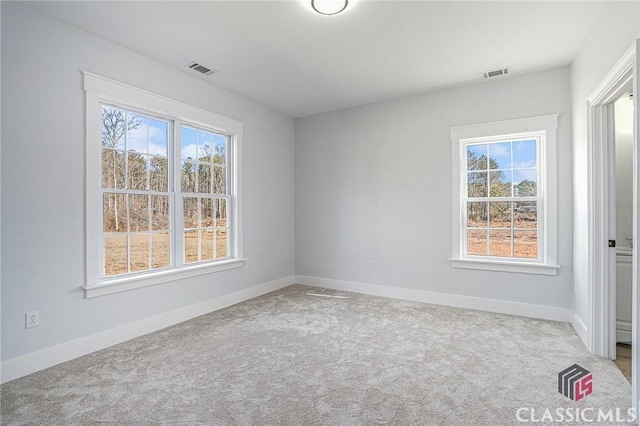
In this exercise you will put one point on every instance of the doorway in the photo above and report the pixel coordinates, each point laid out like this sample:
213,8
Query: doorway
602,315
622,189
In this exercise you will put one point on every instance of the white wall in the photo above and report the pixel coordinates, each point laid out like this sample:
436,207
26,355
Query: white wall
624,170
613,33
43,184
374,182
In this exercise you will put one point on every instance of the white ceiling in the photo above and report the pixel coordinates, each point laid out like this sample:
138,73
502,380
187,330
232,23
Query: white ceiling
283,55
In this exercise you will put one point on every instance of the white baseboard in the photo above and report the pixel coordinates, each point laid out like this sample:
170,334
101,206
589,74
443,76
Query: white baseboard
623,331
581,329
36,361
459,301
623,337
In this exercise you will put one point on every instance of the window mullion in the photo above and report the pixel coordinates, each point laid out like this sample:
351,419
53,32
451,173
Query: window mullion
513,222
540,231
126,203
488,223
178,197
500,199
150,230
101,240
199,227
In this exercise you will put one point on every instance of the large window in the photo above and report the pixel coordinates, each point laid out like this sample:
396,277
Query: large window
162,190
504,189
502,198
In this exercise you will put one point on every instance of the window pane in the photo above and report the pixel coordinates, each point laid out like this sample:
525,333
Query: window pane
222,245
220,148
525,215
137,133
524,154
500,243
477,157
204,178
206,244
158,136
221,212
500,183
139,252
138,213
113,167
205,146
525,183
160,212
206,212
160,250
476,242
477,184
190,212
136,171
188,142
525,244
159,174
188,176
477,215
219,180
191,246
114,127
114,213
500,215
115,254
500,155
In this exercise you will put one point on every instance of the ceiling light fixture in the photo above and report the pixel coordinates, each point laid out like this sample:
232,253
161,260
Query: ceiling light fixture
329,7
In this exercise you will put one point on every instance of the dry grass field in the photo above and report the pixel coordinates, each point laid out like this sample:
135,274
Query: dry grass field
116,250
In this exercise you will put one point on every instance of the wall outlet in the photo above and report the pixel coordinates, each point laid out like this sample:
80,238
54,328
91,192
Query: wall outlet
32,319
372,264
245,270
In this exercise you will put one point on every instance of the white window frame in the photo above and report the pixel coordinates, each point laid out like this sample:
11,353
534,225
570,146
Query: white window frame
99,91
543,126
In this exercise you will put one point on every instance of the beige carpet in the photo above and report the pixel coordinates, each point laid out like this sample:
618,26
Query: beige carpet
292,358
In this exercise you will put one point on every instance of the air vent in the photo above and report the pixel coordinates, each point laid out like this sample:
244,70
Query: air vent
495,73
201,68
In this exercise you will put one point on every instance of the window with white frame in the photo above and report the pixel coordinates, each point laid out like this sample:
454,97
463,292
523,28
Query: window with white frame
504,196
163,189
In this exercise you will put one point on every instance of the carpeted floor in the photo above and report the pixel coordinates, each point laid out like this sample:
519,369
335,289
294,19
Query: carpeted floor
296,359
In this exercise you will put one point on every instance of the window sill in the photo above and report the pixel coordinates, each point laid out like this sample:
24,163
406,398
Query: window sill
502,266
117,285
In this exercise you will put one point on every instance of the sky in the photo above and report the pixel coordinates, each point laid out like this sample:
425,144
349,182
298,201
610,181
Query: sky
151,137
519,155
196,142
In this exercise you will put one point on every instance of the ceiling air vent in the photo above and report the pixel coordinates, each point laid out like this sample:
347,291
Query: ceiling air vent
495,73
201,68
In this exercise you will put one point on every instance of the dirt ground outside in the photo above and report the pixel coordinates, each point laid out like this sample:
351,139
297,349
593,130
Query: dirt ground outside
159,245
524,243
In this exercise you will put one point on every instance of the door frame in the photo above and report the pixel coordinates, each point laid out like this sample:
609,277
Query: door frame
601,321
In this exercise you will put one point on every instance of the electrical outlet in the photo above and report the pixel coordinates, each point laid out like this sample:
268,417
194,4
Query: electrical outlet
372,264
32,319
245,270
